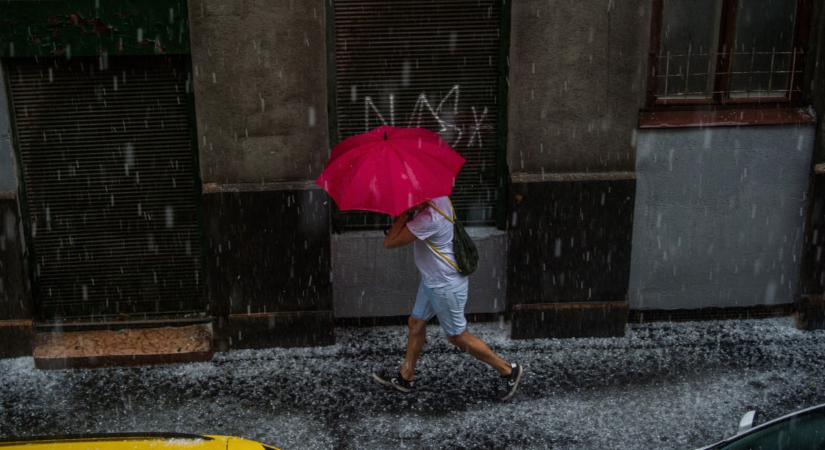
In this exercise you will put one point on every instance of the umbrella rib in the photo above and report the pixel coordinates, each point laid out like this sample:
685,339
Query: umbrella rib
391,148
357,174
345,165
361,168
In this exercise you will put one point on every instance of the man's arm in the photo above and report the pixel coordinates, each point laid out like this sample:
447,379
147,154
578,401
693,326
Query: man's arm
399,235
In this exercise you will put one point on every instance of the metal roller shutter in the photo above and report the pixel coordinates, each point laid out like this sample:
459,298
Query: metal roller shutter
111,189
433,64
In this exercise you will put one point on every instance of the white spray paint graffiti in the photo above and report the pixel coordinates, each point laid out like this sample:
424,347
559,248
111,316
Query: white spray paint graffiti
477,126
444,118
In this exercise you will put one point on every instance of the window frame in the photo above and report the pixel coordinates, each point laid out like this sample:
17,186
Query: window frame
720,96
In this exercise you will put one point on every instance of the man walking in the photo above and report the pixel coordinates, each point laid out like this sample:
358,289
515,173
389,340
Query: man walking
441,293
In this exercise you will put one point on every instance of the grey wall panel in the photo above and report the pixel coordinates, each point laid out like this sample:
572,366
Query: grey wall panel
260,82
577,78
371,281
719,216
8,172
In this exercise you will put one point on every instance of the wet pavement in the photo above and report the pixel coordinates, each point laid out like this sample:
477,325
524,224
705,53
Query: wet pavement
662,386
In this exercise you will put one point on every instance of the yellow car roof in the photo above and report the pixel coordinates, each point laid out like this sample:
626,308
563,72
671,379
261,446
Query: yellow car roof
166,441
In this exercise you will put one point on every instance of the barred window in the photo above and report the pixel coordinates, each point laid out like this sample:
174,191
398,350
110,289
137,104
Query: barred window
727,51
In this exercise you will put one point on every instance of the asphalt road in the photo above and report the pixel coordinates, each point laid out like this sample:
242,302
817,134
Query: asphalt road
663,385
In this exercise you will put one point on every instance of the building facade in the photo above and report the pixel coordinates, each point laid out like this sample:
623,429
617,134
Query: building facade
625,161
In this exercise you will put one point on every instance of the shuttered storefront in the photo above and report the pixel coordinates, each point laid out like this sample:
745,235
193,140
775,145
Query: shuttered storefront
111,193
431,64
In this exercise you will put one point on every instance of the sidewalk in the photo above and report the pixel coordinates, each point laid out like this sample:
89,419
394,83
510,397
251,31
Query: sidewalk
664,385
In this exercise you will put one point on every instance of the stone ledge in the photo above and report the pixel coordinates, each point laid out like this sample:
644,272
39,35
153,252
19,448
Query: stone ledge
277,329
569,319
711,313
810,313
16,337
100,348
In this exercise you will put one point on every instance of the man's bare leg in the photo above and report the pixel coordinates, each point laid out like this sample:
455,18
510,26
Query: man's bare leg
416,337
481,351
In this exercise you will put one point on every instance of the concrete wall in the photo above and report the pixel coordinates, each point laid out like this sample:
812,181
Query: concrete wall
8,172
16,332
260,89
576,82
815,72
577,77
260,84
719,216
14,286
371,281
811,305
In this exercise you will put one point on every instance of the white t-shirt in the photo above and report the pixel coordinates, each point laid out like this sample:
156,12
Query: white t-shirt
429,225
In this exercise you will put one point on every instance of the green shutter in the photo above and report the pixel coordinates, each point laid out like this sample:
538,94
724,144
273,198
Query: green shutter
110,186
433,64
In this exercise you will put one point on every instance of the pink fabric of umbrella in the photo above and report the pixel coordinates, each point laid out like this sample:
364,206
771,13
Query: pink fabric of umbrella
389,170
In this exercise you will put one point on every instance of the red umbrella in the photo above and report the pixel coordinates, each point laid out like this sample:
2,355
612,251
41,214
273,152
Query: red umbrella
389,170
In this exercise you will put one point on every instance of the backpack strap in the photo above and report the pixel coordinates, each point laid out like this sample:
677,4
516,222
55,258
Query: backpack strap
443,256
452,220
437,252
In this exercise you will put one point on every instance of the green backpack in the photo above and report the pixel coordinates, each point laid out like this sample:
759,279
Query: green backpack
466,253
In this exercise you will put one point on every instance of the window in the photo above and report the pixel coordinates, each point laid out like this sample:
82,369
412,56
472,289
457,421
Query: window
430,64
714,52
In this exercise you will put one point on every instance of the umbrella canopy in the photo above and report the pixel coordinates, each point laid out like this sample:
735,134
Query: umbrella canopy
389,170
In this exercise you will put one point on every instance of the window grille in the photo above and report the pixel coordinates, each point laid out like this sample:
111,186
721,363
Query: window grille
726,51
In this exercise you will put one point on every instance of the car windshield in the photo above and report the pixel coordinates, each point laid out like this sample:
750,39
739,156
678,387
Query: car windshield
803,431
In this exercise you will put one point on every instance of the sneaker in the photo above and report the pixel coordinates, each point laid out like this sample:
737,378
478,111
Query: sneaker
394,381
508,385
